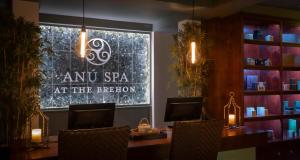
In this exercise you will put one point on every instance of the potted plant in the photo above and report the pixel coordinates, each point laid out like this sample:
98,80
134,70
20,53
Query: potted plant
20,77
191,77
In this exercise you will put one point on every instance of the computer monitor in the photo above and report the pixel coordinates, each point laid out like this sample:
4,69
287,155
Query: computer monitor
183,109
87,116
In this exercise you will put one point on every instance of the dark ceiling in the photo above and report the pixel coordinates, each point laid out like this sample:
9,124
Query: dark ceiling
163,14
288,4
203,3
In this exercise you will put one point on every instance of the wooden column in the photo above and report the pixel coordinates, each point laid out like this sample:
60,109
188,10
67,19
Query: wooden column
227,71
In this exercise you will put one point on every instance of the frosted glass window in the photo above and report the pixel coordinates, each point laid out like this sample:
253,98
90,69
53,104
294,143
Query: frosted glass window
117,68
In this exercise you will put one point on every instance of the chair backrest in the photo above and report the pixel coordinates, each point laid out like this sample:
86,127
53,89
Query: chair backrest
196,140
88,116
94,144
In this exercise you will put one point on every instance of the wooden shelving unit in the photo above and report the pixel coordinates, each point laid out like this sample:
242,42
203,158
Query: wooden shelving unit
271,117
233,48
280,52
262,118
262,67
284,68
261,42
290,44
248,93
290,92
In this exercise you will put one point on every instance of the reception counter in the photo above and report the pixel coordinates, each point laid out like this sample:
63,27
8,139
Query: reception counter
233,139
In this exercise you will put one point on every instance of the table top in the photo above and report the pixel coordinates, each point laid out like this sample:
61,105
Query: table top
231,139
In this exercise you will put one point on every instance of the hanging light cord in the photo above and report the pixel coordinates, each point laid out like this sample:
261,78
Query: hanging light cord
193,16
83,23
82,34
193,43
193,10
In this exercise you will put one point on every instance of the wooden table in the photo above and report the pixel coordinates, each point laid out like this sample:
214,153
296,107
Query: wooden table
159,148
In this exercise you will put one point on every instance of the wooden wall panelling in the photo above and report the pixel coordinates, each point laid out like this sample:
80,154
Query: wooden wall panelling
227,75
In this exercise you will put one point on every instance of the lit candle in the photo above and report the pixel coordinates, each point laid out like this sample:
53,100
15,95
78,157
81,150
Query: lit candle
231,119
36,135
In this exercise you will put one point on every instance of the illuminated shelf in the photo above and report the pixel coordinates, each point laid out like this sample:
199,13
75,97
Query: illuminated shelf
262,118
260,42
291,92
262,93
286,44
290,115
261,67
293,68
271,117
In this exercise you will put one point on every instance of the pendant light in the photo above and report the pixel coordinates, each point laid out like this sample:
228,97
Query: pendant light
193,42
82,34
193,56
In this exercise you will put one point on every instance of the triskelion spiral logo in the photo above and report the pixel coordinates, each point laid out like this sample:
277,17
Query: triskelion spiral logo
98,52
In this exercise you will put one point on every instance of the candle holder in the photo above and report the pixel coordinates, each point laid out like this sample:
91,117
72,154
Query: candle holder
39,137
232,113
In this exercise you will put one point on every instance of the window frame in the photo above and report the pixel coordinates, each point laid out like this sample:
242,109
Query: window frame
150,33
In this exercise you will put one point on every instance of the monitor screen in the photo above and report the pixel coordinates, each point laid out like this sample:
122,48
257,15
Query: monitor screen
86,116
183,109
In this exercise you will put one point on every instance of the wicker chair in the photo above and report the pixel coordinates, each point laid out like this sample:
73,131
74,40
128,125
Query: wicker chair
196,140
93,144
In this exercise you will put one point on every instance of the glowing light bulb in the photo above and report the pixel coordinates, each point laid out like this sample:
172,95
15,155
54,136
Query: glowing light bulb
82,43
193,56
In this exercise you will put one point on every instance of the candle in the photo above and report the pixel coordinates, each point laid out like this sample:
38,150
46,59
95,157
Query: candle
36,135
231,119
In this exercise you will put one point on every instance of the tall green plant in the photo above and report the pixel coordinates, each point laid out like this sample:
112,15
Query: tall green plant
191,78
20,76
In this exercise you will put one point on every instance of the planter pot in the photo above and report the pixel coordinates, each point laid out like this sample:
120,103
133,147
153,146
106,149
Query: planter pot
15,151
18,149
5,152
